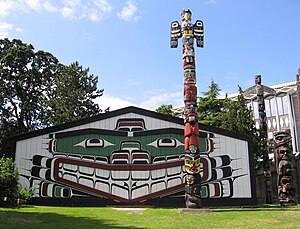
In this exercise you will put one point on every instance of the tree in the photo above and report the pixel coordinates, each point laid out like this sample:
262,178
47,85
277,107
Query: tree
9,178
210,108
166,109
37,91
25,77
238,117
71,96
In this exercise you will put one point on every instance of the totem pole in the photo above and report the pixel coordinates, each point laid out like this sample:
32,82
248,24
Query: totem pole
284,166
188,32
298,87
264,138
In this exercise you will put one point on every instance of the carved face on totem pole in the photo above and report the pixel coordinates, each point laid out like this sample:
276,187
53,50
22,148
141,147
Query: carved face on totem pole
189,77
192,179
281,138
283,153
284,168
192,164
186,16
190,94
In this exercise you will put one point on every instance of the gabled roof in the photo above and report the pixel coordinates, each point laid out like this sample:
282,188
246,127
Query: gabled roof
126,110
99,117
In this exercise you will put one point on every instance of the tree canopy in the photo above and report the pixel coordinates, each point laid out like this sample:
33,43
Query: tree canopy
71,96
210,109
232,115
38,91
166,109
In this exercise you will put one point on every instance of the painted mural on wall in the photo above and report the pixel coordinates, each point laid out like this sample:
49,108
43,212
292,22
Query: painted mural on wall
131,162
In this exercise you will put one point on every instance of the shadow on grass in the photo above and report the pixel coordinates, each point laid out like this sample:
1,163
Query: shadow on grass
13,218
265,207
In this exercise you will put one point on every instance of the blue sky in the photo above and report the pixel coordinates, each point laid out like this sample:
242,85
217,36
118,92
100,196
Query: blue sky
127,43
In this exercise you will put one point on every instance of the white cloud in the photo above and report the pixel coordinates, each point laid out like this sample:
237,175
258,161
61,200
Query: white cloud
6,7
49,7
151,101
94,16
19,30
128,12
67,12
154,101
71,3
34,4
211,2
5,28
93,10
113,103
103,5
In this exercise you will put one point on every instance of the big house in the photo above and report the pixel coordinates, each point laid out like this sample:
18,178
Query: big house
132,156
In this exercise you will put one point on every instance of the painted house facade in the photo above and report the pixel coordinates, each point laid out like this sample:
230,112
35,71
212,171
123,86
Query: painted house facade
132,156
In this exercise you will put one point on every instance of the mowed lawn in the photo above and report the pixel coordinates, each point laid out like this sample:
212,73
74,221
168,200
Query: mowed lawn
42,217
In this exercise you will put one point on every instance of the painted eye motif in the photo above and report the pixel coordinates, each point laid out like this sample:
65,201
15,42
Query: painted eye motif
187,162
197,162
166,142
52,146
94,143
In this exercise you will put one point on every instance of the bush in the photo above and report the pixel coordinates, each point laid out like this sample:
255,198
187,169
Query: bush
25,194
9,179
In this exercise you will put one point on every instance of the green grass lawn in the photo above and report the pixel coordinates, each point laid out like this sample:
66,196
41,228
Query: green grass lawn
91,217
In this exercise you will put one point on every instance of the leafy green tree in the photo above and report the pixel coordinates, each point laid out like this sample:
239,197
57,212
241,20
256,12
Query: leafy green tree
210,108
238,117
71,96
9,178
25,77
166,109
37,91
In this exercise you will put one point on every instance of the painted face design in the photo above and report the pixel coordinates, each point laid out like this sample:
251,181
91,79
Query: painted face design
192,164
190,180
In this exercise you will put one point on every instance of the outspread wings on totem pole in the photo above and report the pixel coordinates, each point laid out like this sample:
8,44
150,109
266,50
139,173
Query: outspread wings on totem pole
188,32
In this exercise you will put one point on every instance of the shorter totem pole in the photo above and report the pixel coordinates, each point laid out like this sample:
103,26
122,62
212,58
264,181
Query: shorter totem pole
284,158
263,134
189,32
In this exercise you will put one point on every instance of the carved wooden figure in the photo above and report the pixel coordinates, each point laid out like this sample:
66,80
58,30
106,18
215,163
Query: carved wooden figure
188,32
264,138
284,166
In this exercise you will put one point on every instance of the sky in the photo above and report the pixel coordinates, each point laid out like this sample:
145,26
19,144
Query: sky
126,43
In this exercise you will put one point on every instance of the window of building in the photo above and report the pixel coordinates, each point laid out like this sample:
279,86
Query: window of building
267,106
255,110
279,105
273,106
285,102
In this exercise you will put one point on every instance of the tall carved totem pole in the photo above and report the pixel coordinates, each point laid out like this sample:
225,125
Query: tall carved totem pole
284,166
264,138
189,32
